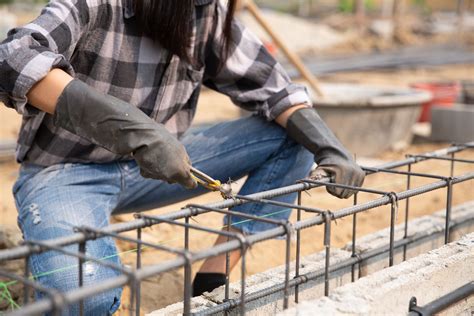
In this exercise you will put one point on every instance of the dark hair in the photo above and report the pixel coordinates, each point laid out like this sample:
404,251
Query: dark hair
169,22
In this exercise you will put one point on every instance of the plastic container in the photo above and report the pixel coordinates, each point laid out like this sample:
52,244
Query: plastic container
444,94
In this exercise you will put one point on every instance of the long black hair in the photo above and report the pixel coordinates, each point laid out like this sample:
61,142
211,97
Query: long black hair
169,22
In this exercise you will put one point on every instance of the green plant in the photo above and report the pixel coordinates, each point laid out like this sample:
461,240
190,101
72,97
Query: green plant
347,6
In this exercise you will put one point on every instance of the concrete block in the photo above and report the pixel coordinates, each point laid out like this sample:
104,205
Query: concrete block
455,124
462,217
426,277
271,304
427,224
198,304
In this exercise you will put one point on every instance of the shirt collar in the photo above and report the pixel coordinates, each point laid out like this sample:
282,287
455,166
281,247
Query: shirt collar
129,11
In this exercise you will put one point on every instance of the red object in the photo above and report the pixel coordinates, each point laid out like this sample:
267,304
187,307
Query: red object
271,48
444,94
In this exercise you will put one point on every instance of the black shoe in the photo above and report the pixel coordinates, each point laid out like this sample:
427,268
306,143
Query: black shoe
206,282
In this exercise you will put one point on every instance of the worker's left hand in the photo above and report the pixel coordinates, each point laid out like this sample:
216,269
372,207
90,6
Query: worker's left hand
307,128
340,172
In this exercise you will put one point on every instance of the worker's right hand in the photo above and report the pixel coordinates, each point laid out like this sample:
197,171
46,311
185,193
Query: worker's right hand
166,159
123,129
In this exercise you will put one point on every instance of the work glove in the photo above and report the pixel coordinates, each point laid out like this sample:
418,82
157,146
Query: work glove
333,160
123,129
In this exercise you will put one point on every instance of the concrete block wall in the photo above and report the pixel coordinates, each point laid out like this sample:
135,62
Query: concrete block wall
462,220
427,277
271,304
432,226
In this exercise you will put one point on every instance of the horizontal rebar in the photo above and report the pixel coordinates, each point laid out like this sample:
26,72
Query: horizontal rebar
304,278
22,251
165,266
443,302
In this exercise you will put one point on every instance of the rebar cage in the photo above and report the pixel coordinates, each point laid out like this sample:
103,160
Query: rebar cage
56,302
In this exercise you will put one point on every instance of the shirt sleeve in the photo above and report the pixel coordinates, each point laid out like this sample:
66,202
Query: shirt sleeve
30,52
250,76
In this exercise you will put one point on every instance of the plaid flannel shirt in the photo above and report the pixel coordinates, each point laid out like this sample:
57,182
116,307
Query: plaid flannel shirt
97,41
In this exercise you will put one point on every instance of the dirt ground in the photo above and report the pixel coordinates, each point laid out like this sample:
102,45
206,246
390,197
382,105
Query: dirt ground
167,288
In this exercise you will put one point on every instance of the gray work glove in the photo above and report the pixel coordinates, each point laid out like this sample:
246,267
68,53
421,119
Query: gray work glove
308,129
123,129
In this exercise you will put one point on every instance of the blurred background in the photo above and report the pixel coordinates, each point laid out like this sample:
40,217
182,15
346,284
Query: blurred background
389,77
422,44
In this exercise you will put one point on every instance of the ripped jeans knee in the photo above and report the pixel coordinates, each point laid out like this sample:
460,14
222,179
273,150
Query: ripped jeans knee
50,207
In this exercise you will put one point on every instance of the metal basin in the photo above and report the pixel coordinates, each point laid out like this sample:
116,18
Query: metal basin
370,119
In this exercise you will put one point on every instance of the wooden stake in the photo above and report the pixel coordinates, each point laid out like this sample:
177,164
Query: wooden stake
359,10
292,57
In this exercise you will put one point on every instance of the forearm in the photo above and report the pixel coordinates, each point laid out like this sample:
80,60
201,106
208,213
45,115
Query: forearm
282,119
44,94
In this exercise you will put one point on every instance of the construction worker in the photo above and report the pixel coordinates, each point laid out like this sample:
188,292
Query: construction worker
108,89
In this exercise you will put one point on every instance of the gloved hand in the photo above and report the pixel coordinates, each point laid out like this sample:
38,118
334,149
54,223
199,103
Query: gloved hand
123,129
307,128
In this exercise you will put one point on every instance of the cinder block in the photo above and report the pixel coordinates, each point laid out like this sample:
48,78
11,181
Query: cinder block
198,304
273,303
455,124
462,217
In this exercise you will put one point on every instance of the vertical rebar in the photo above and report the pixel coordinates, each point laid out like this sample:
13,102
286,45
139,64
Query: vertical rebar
354,232
327,246
133,289
26,288
407,210
187,271
227,267
186,234
82,250
298,249
452,165
287,266
242,282
449,198
393,211
138,267
187,286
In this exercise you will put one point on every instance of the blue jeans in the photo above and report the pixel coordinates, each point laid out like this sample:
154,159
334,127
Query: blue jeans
52,201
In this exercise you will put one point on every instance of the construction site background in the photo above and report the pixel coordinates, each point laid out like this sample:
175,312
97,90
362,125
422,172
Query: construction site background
333,30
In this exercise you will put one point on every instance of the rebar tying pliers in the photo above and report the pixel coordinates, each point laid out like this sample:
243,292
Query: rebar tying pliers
211,184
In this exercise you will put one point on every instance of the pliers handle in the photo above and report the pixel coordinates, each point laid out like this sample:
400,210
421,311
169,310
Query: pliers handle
205,180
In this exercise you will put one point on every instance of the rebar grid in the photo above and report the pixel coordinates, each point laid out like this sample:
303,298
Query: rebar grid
56,302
